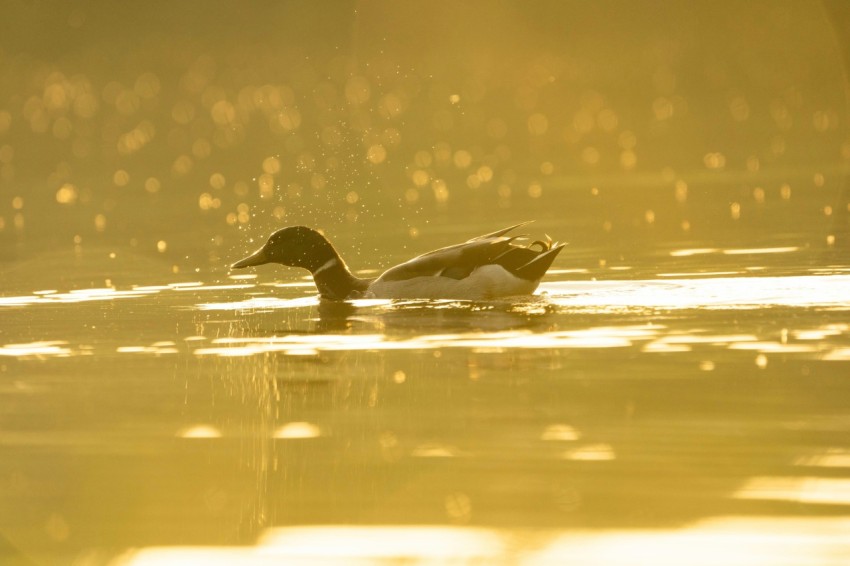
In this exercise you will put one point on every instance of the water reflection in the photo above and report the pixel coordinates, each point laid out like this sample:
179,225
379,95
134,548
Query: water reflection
752,541
828,458
199,431
756,541
37,349
713,292
591,453
702,292
157,348
298,430
798,489
380,325
616,405
482,342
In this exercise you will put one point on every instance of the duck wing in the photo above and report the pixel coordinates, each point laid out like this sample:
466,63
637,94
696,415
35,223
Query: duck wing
455,262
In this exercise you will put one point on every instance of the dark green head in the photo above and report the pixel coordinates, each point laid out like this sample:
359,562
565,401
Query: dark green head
295,246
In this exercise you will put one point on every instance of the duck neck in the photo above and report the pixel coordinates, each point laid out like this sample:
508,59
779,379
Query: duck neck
335,281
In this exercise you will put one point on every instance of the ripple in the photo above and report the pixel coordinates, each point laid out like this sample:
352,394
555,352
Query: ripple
199,431
590,453
298,430
75,296
750,251
260,303
51,348
710,293
295,344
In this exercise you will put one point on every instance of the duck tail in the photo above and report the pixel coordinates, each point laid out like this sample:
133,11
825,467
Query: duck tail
535,269
501,232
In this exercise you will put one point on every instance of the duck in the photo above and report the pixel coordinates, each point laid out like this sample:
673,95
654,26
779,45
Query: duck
483,268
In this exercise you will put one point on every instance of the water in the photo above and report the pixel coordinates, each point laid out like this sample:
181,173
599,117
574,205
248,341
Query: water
209,418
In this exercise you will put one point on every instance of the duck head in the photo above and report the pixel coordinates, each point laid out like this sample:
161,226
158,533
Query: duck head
295,246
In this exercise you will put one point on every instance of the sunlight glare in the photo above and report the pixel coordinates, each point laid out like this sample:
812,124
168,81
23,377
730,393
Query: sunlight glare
560,432
802,489
297,430
52,348
829,458
601,337
423,544
590,453
709,292
434,450
729,541
199,431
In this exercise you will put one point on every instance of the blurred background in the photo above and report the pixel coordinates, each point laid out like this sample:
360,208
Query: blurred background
185,130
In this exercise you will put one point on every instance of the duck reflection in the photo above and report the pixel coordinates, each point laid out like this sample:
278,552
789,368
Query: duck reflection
335,316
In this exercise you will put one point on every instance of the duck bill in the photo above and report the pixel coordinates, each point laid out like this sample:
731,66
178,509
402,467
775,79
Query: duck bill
259,257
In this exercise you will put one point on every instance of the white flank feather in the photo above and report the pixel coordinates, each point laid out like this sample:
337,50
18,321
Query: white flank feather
486,282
